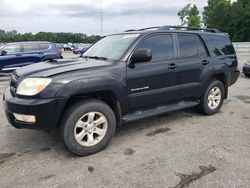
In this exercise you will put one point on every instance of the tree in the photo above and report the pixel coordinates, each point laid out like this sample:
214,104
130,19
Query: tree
239,25
189,15
14,36
183,14
216,14
194,20
233,18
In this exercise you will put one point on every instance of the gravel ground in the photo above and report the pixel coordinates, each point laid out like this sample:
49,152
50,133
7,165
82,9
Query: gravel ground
177,150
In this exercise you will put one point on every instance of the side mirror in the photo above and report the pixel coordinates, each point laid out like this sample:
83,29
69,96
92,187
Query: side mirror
141,55
3,53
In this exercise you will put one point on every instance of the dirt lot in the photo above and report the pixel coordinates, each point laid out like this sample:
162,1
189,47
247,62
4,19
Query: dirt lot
176,150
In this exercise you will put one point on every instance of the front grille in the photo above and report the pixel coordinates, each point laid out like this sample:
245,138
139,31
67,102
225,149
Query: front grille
13,83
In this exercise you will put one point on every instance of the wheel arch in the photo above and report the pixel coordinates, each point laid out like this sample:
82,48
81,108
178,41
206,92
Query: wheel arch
106,96
223,78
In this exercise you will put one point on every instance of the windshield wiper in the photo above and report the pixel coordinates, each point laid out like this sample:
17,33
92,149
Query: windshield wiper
96,57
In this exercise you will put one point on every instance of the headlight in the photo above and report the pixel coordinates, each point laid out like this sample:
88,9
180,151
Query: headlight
32,86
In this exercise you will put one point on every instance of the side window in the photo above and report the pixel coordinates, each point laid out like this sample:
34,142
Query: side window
30,48
12,49
202,50
220,45
44,46
161,46
188,46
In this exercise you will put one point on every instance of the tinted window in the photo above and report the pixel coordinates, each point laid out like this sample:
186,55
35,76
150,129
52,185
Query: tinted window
161,46
203,51
188,46
220,45
44,46
30,47
12,49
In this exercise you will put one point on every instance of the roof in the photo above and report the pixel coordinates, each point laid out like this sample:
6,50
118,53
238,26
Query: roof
172,29
29,42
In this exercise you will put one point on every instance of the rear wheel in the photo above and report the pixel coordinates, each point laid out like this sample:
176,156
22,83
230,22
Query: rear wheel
87,127
213,98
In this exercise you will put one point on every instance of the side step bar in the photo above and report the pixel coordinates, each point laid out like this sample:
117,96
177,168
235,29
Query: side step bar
159,110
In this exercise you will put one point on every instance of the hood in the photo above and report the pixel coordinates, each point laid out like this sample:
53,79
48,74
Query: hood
47,69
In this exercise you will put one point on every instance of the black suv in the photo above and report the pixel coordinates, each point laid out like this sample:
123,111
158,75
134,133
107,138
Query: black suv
123,78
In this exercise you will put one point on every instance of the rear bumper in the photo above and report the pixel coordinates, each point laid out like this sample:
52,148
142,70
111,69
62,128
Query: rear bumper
47,111
234,75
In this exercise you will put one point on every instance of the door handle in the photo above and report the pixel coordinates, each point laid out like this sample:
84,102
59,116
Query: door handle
18,55
205,62
172,66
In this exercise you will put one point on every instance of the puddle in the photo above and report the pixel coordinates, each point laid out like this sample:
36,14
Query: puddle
158,131
129,151
187,179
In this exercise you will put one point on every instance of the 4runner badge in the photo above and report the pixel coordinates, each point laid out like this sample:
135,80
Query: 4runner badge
141,88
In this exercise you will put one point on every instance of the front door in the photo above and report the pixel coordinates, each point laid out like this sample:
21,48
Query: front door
155,82
10,61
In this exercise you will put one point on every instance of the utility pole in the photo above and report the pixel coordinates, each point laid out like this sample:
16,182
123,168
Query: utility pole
101,17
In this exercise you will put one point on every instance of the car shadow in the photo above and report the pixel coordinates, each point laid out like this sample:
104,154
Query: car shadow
35,142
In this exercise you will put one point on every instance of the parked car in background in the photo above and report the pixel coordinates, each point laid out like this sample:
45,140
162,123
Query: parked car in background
246,69
81,49
68,47
16,55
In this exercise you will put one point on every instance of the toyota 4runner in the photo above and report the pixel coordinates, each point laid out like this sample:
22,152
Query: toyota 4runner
122,78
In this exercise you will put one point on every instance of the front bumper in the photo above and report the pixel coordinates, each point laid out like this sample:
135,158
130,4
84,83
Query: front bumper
47,111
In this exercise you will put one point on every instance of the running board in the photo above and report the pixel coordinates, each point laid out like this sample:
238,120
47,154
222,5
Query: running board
159,110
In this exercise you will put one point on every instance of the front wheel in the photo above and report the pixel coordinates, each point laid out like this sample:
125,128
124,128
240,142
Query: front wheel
87,127
212,99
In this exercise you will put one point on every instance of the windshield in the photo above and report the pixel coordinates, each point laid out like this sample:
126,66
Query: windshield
111,47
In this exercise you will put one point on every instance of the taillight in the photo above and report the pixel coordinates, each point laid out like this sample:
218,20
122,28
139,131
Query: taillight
238,67
59,52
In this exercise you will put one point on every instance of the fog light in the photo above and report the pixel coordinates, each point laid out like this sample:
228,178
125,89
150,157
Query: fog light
25,118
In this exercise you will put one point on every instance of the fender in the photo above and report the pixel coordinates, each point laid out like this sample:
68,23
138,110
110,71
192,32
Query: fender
95,84
48,57
218,69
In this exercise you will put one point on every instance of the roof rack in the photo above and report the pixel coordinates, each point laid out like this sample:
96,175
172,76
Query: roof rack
168,27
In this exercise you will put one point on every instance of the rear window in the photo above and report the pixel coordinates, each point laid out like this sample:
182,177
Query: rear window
188,46
29,47
44,46
220,45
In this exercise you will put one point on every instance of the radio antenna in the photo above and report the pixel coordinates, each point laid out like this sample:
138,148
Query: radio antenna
101,17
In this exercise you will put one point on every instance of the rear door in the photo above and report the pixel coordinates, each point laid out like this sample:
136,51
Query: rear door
30,53
193,60
155,82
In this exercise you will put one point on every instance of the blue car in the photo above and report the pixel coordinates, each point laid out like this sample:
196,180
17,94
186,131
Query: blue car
16,55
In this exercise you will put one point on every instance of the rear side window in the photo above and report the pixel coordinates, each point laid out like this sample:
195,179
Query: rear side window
220,45
202,49
30,47
12,49
161,46
44,46
188,46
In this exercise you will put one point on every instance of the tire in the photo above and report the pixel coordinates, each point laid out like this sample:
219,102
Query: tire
247,75
98,129
212,99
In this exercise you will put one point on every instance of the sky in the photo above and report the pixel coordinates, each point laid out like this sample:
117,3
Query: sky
83,16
